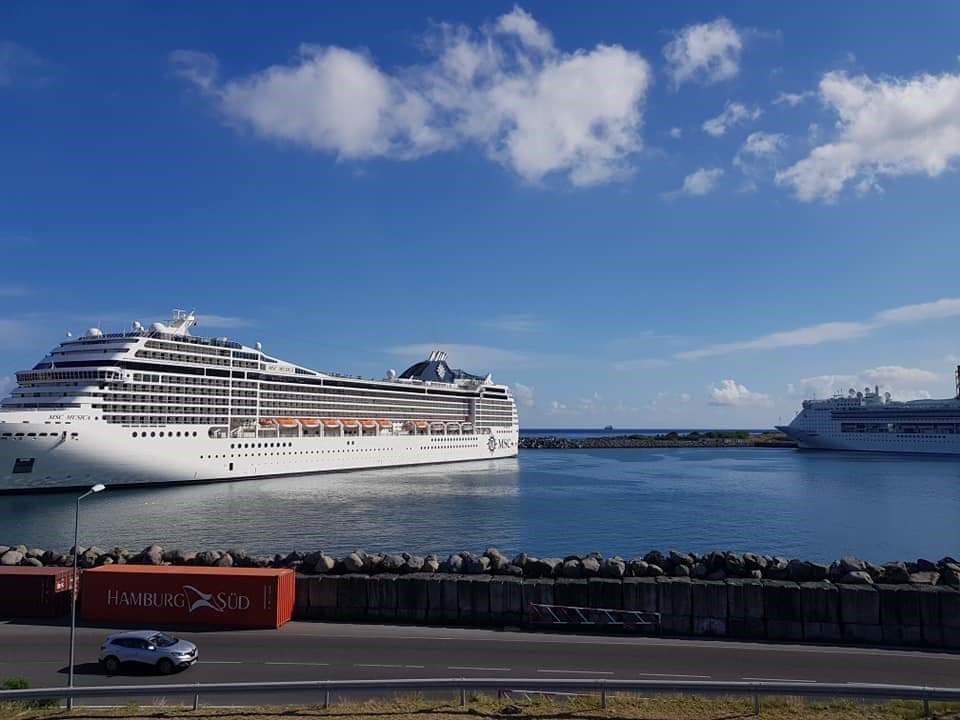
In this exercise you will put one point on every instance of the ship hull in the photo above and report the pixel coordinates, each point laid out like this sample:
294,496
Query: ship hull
39,456
917,444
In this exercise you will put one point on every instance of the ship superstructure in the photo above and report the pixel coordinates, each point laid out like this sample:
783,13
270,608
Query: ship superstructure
159,405
867,420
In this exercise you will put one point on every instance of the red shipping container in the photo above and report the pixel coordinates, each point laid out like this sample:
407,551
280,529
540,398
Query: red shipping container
146,595
35,591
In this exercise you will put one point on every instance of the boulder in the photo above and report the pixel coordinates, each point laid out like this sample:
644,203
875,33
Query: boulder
637,567
613,568
32,562
718,574
392,563
431,564
735,565
654,570
777,569
521,560
700,571
3,549
856,577
754,562
225,560
36,553
931,577
591,566
537,568
353,563
512,570
849,564
152,555
88,559
413,564
798,571
22,549
474,565
951,577
208,558
324,564
677,558
924,565
654,557
681,571
895,573
496,558
11,557
571,569
453,564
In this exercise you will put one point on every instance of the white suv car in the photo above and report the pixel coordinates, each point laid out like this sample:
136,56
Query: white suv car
147,647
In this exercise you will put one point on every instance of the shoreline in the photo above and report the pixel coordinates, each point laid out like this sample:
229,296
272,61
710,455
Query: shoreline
710,439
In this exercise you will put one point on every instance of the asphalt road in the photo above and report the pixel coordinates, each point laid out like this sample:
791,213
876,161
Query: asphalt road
316,651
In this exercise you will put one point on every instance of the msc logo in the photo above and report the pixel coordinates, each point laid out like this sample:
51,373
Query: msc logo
492,443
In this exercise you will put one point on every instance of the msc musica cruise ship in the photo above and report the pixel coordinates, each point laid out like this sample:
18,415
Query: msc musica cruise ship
159,405
870,422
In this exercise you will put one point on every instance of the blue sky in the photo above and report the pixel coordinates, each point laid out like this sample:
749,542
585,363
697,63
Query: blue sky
636,214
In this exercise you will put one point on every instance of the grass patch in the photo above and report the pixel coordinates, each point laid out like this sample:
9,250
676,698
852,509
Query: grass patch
525,706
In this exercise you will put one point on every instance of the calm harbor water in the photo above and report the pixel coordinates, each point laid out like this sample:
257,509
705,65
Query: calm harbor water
798,504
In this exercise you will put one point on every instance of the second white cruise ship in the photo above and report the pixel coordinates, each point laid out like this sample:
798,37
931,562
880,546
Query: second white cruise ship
869,421
158,405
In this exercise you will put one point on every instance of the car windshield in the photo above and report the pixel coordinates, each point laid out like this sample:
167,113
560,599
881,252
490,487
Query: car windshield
162,640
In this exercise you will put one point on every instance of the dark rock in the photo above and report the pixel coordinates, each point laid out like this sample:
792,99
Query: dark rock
654,570
912,566
718,574
637,567
754,562
36,553
512,570
930,577
924,565
226,560
453,564
677,558
32,562
798,571
52,558
756,574
88,558
323,565
353,563
431,564
817,571
681,570
476,565
875,571
735,565
895,573
521,559
654,557
949,576
208,558
413,564
591,566
572,569
152,555
777,569
856,577
496,558
613,568
700,570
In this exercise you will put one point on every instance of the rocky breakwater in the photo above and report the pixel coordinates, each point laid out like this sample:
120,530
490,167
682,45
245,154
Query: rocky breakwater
712,439
724,594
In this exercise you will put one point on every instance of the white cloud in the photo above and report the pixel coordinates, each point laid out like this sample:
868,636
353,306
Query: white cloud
732,394
793,99
20,66
506,88
734,113
832,331
684,398
515,323
761,144
903,383
676,133
558,408
699,182
886,128
707,53
523,395
222,321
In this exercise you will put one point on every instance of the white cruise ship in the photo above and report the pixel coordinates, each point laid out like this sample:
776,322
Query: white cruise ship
159,405
870,422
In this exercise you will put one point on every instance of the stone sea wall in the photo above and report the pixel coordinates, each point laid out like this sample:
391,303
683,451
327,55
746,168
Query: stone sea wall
748,596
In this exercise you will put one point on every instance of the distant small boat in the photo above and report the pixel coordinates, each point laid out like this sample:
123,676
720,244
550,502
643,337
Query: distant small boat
608,427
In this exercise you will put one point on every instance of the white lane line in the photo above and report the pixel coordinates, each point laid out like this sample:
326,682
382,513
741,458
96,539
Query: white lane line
576,672
379,665
279,662
674,675
479,669
769,679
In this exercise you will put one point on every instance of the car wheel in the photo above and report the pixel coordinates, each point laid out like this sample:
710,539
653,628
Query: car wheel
111,665
165,666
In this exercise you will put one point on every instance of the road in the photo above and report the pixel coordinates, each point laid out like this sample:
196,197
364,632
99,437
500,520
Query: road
316,651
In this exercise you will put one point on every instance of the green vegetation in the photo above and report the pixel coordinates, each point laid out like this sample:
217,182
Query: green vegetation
17,709
530,705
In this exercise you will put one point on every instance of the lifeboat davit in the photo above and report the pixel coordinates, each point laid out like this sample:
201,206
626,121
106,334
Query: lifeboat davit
267,422
350,423
330,422
453,427
466,428
438,427
385,424
310,422
287,422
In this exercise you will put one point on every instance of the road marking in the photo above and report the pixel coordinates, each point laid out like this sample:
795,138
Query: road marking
768,679
480,669
577,672
674,675
379,665
279,662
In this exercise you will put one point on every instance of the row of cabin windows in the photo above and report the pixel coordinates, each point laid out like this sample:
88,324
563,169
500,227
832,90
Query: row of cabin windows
161,433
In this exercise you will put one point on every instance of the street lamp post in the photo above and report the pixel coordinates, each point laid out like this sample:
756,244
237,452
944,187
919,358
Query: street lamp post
73,593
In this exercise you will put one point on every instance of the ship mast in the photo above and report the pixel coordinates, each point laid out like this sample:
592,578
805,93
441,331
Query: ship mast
958,382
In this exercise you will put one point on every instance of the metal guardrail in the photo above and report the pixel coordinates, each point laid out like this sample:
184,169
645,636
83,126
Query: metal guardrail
756,689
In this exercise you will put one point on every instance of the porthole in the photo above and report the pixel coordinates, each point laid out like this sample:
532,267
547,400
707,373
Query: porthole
153,434
134,434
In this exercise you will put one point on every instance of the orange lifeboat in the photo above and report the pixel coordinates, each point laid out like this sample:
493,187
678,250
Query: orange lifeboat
350,423
287,422
421,424
267,422
368,424
385,424
310,422
330,423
